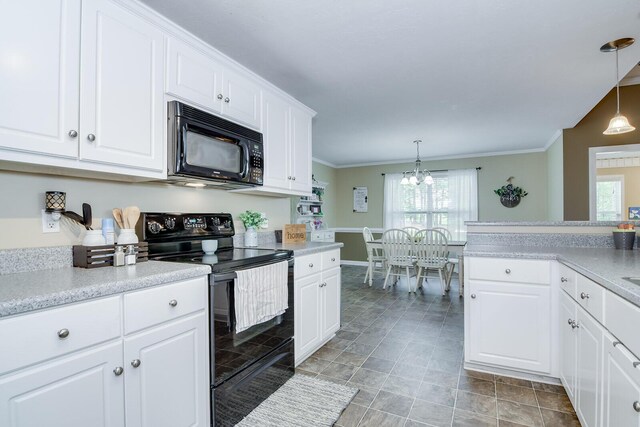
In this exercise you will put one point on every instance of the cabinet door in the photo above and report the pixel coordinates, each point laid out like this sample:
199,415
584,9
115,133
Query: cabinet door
300,150
331,302
308,332
569,343
71,391
241,99
39,76
510,325
193,76
121,86
589,369
170,387
621,386
275,130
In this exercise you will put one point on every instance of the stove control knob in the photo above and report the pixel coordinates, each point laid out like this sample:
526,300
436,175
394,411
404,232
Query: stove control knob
170,223
154,227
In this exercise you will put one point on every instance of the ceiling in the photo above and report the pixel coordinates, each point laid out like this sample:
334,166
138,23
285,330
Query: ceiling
469,77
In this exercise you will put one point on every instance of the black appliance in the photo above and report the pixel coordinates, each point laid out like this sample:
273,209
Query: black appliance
211,150
246,367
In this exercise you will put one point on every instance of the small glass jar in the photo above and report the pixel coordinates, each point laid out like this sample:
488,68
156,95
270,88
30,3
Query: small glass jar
93,238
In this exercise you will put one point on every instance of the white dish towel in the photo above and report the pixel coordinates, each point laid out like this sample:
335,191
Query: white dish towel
261,294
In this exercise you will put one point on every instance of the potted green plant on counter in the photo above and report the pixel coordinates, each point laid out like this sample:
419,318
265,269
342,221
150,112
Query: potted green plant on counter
251,220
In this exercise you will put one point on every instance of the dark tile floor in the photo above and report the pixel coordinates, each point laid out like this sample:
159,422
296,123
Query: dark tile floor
404,353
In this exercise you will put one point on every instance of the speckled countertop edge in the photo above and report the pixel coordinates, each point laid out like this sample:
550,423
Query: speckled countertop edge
306,248
605,266
29,291
551,223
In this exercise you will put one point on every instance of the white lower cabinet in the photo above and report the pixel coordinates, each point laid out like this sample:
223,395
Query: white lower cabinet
509,325
157,376
80,389
621,385
569,345
589,369
317,301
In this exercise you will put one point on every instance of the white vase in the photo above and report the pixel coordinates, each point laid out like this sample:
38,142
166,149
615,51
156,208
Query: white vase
251,237
93,238
127,236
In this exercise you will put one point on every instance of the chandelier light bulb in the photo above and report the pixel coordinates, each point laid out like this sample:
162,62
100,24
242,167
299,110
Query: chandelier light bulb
413,180
428,179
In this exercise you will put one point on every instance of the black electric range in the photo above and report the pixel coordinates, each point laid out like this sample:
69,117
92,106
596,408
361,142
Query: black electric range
245,367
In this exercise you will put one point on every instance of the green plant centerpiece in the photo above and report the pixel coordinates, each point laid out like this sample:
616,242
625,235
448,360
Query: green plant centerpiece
252,219
510,195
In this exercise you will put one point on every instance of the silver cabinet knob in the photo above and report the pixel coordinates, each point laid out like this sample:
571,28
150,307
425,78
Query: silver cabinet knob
173,303
575,325
227,100
91,137
563,279
569,321
473,296
118,371
584,296
508,271
63,333
333,260
293,178
135,363
73,133
310,265
288,177
219,96
615,343
636,406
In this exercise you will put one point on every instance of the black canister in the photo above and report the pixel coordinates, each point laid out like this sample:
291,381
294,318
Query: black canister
624,239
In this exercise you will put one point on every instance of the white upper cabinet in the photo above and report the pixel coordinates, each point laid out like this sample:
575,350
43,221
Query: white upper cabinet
300,150
122,104
200,79
275,131
39,76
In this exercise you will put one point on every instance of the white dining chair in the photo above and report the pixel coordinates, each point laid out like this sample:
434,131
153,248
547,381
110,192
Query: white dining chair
375,255
431,253
411,230
398,249
454,260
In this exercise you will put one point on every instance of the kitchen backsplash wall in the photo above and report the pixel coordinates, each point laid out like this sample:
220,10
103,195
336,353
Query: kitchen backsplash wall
20,222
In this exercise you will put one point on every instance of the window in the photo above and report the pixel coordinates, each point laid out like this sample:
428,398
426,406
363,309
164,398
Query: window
609,200
451,200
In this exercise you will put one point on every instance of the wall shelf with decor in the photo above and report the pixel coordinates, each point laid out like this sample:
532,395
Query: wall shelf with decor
309,212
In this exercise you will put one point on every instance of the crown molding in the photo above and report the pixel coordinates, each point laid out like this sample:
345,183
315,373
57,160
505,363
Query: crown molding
553,139
324,162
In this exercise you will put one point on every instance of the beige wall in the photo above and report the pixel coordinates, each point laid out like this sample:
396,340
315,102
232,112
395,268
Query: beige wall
327,174
529,170
555,179
631,185
20,224
588,133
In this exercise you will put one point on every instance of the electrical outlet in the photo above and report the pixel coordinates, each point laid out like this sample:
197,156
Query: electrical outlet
49,225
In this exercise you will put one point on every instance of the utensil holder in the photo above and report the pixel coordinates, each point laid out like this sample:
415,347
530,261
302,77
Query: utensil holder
624,239
102,256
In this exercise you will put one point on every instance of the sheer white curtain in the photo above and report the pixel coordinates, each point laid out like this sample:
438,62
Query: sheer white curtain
463,201
393,215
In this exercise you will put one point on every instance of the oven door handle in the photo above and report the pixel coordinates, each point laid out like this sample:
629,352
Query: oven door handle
239,385
225,277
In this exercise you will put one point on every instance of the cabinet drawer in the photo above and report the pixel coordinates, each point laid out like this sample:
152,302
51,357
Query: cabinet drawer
509,270
590,296
568,280
160,304
307,264
330,259
35,337
622,319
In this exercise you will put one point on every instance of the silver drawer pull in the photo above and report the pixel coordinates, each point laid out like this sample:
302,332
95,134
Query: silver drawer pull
575,325
571,321
635,364
173,303
91,137
563,279
615,343
584,296
118,371
63,333
310,265
220,96
333,260
508,271
473,296
135,363
636,406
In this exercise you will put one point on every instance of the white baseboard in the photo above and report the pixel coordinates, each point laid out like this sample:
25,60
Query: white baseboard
358,263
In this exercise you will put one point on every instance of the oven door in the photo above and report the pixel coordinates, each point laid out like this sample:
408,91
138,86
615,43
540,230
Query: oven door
231,352
208,152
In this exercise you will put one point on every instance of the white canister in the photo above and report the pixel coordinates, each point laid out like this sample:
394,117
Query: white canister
93,238
127,236
251,237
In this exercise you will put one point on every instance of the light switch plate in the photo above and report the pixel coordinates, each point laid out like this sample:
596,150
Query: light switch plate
48,224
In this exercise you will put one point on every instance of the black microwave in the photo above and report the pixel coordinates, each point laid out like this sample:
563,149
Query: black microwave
206,149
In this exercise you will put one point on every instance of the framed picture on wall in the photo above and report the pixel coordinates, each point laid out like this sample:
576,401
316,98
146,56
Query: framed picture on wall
634,212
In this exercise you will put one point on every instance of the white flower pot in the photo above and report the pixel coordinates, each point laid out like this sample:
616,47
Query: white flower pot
251,237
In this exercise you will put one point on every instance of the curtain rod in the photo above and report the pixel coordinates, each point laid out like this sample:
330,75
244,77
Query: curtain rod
439,170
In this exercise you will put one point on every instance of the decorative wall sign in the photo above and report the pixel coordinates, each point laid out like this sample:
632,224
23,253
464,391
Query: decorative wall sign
510,195
360,199
634,212
294,233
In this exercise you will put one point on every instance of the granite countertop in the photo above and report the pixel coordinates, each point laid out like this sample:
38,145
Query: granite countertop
552,223
34,290
305,248
605,266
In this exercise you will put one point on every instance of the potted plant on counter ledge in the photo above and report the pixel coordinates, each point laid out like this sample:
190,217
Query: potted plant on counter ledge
251,220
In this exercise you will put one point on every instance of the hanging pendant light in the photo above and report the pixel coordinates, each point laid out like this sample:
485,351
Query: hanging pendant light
619,123
417,176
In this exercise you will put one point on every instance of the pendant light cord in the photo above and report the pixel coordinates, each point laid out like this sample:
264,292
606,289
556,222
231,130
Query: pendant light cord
617,84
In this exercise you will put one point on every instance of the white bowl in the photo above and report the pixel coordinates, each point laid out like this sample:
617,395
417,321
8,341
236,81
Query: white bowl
209,246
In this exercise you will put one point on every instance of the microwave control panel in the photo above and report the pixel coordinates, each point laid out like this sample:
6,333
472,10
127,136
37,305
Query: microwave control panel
256,163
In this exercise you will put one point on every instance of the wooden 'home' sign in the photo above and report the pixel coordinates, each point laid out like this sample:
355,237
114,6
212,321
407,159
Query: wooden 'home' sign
294,233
